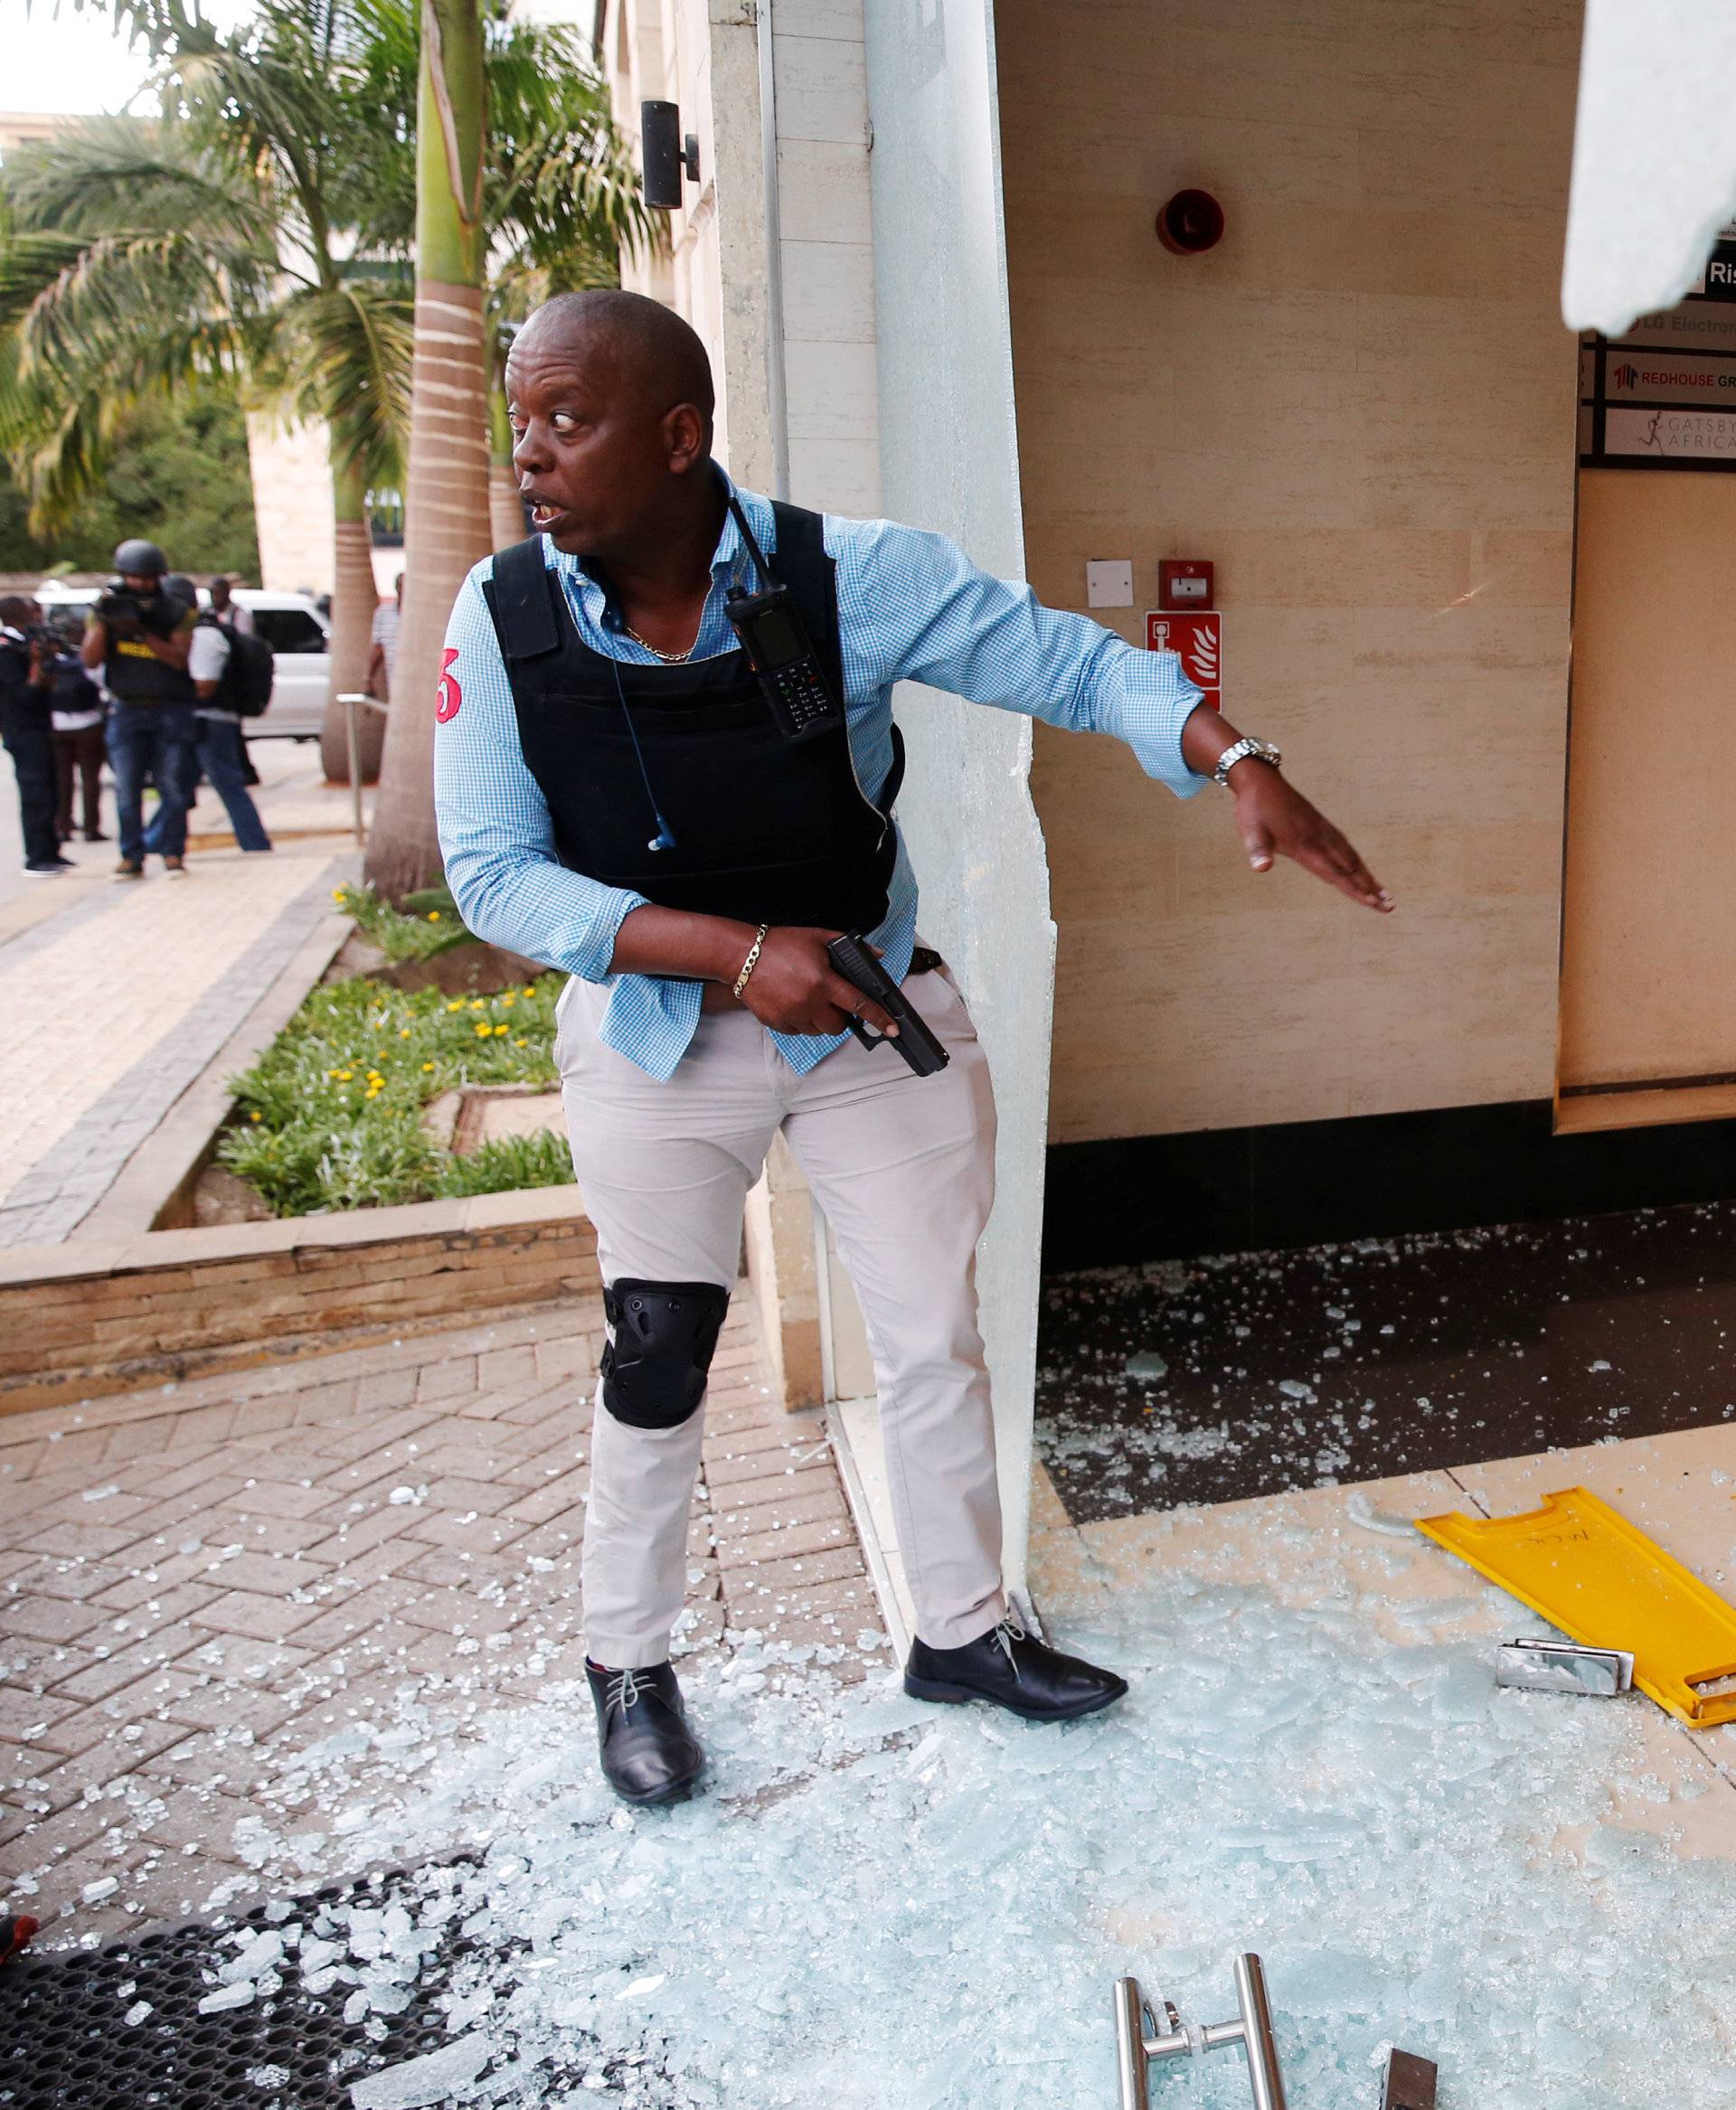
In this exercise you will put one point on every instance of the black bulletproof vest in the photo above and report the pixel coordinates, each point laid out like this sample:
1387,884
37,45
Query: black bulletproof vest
764,831
133,672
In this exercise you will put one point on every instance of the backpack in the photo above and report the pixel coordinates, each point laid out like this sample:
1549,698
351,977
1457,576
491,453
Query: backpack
248,676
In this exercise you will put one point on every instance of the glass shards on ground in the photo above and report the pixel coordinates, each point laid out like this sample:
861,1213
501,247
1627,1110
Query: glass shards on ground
885,1904
332,1116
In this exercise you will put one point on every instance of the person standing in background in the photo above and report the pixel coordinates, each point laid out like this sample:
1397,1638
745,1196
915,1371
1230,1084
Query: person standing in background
77,705
221,752
382,643
27,733
227,609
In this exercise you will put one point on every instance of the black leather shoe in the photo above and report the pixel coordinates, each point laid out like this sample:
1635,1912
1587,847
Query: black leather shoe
1014,1670
649,1754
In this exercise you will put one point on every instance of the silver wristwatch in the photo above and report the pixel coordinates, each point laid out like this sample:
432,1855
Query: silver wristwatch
1239,752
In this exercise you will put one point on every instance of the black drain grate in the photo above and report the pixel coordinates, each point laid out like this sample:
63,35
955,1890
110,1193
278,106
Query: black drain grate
65,2045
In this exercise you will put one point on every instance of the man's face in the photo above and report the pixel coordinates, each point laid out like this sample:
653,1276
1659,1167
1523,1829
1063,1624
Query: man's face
220,593
593,457
143,582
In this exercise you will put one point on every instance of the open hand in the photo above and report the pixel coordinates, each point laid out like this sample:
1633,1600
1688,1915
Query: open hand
794,988
1277,821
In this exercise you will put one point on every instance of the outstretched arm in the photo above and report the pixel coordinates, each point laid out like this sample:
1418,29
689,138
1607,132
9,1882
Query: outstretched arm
940,620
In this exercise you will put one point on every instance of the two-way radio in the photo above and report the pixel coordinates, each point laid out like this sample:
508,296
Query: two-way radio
772,634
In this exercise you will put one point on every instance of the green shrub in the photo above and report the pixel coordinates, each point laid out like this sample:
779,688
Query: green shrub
331,1116
508,1164
427,924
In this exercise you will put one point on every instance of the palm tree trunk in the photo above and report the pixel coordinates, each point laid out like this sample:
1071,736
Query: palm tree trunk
505,509
353,600
446,490
505,513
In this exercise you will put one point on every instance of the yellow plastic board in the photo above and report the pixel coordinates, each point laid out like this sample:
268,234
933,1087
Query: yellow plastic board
1603,1582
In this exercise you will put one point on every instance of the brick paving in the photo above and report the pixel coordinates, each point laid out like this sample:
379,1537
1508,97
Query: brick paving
171,969
200,1584
61,1147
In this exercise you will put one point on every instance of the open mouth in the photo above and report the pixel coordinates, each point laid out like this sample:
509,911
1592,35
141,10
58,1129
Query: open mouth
542,513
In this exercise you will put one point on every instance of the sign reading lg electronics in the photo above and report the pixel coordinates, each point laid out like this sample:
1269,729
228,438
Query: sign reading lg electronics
1196,635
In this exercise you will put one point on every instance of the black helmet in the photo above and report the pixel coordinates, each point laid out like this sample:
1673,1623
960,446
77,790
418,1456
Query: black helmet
136,559
182,588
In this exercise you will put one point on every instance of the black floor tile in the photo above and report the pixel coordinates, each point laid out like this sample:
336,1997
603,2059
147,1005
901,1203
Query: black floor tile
1215,1379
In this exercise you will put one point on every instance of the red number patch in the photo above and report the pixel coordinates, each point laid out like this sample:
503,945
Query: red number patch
452,696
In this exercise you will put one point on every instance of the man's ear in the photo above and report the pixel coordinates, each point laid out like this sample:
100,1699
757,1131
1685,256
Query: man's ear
687,437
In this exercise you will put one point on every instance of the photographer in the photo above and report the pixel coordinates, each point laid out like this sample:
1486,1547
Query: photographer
141,636
26,731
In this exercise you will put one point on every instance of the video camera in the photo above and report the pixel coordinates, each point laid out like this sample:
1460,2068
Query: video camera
126,613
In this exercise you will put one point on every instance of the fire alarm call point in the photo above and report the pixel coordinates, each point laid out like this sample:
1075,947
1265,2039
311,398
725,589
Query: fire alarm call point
1184,582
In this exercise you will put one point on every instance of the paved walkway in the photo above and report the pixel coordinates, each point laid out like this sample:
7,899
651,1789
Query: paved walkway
203,1585
117,996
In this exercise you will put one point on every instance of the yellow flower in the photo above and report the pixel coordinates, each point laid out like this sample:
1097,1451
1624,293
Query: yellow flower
477,1004
529,990
433,915
428,1066
483,1031
337,893
330,1073
515,1043
343,1076
256,1117
503,1029
458,1004
404,1032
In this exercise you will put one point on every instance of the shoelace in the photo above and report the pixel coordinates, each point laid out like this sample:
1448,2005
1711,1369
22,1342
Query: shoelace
1007,1633
622,1690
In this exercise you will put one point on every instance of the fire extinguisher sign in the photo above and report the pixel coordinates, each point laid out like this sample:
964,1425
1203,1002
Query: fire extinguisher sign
1196,635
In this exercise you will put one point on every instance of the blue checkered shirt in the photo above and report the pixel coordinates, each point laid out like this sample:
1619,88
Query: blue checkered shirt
912,606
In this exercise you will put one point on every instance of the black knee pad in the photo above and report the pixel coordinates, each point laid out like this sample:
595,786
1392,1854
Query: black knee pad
665,1334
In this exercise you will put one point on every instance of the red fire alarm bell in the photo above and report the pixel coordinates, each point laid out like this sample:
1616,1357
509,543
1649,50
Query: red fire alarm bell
1184,582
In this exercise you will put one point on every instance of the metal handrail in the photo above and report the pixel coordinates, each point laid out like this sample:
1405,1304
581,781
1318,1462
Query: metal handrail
349,703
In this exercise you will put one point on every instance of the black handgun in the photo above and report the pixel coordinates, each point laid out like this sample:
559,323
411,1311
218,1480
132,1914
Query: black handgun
856,961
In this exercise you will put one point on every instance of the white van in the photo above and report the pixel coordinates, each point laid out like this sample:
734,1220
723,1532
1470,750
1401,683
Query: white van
290,624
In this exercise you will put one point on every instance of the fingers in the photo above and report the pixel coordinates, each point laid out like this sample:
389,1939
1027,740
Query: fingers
1301,832
1336,862
851,1002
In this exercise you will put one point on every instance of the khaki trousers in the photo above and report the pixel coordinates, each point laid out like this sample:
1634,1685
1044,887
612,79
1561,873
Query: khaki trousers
903,1167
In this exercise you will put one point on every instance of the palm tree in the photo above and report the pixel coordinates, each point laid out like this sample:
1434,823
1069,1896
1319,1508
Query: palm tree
226,245
446,491
259,237
519,168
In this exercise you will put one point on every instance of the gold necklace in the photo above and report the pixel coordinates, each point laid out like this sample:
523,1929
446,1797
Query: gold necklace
668,658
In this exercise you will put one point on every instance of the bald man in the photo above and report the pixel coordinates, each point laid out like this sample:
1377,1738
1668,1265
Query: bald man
618,796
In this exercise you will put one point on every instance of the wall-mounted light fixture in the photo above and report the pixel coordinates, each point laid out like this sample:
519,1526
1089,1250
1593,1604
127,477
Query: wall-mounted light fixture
1189,224
665,154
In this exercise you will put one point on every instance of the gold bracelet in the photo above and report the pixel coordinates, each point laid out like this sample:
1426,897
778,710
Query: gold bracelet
751,961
